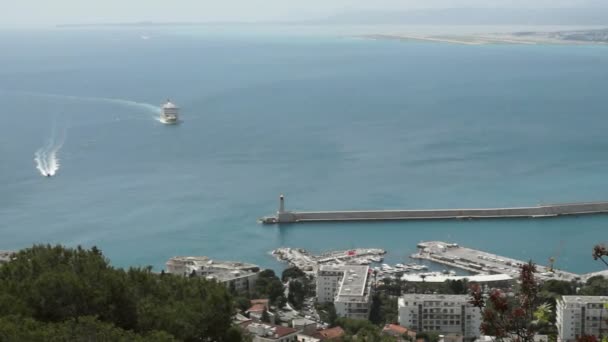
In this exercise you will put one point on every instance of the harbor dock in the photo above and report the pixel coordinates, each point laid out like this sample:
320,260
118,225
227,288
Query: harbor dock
480,262
540,211
482,267
307,262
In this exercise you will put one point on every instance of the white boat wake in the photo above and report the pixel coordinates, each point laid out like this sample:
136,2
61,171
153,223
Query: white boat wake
46,157
143,106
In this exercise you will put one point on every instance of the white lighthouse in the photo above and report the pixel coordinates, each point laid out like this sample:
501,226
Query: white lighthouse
281,204
169,112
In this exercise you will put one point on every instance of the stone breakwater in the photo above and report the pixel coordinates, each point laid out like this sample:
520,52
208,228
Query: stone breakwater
541,211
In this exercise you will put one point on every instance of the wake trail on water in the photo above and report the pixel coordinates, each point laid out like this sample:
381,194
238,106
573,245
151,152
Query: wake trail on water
143,106
46,157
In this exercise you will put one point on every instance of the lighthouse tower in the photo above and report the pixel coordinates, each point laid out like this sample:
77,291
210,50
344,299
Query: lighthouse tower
281,204
282,215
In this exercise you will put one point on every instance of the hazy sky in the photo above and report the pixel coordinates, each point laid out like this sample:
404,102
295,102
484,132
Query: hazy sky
50,12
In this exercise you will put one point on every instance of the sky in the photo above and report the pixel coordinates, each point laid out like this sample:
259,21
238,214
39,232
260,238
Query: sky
34,13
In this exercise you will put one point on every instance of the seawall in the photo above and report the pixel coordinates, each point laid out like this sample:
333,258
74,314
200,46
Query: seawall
547,210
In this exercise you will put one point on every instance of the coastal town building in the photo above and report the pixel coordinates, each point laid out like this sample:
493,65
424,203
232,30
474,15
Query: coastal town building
237,276
486,338
490,280
348,287
331,334
578,316
269,333
399,332
307,338
304,325
444,314
5,256
257,309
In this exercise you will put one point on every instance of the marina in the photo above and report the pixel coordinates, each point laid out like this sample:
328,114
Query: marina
474,265
541,211
373,257
483,263
307,262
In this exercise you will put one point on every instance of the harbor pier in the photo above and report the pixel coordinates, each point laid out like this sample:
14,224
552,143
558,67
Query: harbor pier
479,262
540,211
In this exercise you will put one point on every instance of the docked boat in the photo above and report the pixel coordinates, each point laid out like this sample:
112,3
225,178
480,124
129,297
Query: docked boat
169,112
376,259
418,267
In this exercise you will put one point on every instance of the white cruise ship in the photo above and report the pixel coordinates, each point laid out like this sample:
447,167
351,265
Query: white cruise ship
169,112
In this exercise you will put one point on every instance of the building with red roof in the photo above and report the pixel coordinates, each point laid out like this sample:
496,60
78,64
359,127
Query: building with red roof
398,331
270,333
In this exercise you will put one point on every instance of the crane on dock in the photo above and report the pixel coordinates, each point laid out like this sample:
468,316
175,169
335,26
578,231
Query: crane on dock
556,255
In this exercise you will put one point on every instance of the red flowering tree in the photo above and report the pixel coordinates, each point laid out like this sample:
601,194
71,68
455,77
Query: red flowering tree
587,338
516,318
599,252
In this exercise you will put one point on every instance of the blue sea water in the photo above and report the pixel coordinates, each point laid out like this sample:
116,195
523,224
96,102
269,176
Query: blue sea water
332,122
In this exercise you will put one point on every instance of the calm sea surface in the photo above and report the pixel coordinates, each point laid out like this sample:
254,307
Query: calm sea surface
332,122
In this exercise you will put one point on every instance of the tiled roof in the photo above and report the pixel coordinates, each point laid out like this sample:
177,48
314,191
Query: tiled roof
257,308
394,328
280,331
259,301
329,334
283,331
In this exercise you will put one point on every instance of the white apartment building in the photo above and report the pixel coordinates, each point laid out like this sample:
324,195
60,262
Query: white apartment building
237,276
348,287
581,315
444,314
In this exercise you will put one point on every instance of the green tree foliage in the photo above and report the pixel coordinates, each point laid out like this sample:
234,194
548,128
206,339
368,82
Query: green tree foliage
292,273
391,287
595,286
297,294
327,313
556,288
428,336
242,303
457,286
550,291
396,287
353,326
384,309
521,317
14,328
265,316
53,286
268,285
362,330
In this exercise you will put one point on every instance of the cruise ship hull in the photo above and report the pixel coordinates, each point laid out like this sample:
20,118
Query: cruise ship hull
168,119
